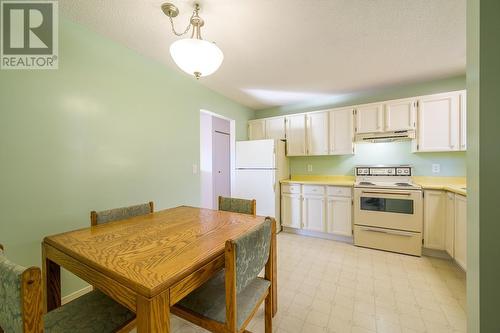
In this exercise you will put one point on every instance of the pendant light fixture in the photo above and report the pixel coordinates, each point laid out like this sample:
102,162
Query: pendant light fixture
194,55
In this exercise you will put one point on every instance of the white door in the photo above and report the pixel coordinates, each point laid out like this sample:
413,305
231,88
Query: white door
296,135
438,123
258,185
275,128
369,118
463,120
256,154
221,166
338,220
434,219
313,211
256,129
341,132
400,115
450,224
317,133
461,230
291,210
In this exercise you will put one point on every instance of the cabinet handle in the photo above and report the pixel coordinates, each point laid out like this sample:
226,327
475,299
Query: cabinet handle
390,232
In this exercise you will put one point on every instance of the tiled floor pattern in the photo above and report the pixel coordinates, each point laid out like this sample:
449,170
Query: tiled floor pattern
326,286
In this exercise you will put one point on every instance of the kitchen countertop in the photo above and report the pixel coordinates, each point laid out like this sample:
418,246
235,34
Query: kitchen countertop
451,184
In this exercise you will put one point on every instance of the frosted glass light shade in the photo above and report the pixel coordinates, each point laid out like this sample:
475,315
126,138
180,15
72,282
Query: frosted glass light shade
197,57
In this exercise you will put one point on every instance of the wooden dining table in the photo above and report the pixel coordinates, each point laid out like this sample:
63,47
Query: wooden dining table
148,263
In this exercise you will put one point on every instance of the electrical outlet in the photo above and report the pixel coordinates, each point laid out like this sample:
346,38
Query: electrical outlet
309,168
436,168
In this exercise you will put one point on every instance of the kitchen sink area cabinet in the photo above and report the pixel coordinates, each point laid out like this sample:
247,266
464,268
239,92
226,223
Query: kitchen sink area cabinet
450,224
313,211
291,210
434,219
338,220
460,238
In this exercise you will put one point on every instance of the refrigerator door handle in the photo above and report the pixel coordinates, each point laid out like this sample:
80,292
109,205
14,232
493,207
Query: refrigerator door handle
274,182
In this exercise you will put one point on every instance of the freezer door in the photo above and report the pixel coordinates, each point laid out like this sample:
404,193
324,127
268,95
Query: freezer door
255,154
259,185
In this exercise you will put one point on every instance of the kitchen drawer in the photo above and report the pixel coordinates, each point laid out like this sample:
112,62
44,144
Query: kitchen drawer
389,240
314,189
339,191
290,188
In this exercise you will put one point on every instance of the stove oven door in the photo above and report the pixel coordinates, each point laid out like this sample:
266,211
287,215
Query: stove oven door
387,208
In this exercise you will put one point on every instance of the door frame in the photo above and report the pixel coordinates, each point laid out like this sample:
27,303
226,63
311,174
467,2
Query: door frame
232,150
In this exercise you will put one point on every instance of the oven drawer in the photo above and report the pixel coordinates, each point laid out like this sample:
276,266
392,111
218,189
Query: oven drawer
339,191
314,189
290,188
389,240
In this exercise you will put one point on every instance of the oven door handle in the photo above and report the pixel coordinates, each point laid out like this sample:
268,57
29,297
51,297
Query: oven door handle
390,193
391,232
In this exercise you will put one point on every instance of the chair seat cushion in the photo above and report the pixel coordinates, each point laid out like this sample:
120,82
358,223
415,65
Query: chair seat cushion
93,312
209,300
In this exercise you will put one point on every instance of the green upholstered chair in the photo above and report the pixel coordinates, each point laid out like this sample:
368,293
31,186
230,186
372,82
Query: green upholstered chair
122,213
21,309
228,301
237,205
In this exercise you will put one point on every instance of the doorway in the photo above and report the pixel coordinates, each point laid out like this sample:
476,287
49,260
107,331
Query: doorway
216,157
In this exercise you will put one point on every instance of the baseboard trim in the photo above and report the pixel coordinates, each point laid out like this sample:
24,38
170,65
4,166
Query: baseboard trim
436,253
68,298
317,234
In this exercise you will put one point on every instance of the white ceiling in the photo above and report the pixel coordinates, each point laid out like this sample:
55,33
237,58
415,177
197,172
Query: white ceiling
279,52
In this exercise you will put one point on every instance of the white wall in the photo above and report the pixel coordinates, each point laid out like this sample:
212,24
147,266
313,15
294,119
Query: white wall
206,160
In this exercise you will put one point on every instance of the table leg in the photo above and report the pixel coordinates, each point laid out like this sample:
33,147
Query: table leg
153,314
51,279
274,262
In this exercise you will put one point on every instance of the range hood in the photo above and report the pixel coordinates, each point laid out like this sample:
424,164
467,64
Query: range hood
385,136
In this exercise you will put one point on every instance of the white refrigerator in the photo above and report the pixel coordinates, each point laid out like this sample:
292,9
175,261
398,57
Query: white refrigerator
259,167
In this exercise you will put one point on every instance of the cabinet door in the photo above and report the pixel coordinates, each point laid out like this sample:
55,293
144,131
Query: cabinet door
291,210
338,212
461,230
438,123
256,129
400,115
314,213
317,133
463,120
296,135
275,128
341,132
450,224
369,118
434,219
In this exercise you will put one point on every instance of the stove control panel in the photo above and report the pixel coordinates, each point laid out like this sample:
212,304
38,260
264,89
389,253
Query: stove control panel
383,171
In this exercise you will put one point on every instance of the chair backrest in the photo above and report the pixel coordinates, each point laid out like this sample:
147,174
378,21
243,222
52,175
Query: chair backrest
20,297
237,205
122,213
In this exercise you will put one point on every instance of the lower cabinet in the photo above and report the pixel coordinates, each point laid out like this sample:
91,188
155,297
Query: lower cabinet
318,208
461,230
450,224
434,219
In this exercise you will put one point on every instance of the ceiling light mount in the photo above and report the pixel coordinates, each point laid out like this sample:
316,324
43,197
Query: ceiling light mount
193,55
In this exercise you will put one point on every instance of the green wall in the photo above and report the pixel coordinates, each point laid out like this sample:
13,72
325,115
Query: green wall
451,164
108,129
483,163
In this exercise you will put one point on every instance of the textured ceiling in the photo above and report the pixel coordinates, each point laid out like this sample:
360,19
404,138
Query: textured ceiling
279,52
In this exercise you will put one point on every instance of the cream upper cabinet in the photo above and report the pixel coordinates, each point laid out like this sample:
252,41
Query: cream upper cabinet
257,129
317,133
275,128
341,132
291,210
450,224
434,219
400,115
369,118
438,122
461,230
463,120
338,215
296,135
313,210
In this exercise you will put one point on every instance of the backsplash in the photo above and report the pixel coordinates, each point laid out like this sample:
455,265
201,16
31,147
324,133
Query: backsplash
450,163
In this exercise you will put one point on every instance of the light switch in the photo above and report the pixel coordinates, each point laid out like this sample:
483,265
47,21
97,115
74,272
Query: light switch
309,168
436,168
195,169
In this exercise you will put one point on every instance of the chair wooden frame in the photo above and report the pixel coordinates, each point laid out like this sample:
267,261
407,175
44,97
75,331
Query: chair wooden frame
254,204
231,324
93,214
32,303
